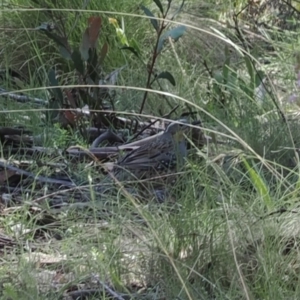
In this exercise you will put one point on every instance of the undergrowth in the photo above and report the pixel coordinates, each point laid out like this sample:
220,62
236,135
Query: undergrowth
230,228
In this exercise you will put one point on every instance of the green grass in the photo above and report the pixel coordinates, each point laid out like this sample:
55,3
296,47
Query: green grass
230,229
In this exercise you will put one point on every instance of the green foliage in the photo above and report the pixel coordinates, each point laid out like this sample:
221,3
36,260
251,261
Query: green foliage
214,239
174,34
260,186
84,60
235,84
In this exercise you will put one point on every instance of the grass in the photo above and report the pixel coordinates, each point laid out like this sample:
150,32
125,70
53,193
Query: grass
230,229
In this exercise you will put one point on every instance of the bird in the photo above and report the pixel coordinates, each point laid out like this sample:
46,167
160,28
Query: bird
164,155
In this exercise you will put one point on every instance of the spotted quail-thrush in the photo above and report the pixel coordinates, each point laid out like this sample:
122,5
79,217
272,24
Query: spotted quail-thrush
163,156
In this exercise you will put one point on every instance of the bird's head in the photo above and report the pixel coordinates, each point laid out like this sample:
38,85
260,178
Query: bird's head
177,130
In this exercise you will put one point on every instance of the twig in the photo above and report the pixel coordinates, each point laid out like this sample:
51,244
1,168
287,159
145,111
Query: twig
83,294
110,291
22,98
154,57
37,177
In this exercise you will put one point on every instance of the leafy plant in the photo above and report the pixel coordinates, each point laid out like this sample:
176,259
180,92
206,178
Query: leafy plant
229,80
163,34
87,65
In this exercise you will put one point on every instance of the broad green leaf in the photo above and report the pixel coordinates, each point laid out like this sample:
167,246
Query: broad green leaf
77,60
159,5
174,33
92,64
65,53
150,14
85,45
259,185
167,75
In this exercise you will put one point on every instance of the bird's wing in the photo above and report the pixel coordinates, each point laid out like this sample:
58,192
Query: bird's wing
146,156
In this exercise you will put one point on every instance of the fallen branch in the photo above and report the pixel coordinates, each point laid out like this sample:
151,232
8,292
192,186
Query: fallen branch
37,177
22,98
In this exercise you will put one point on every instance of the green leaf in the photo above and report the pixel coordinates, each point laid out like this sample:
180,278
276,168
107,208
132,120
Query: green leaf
178,10
62,42
77,60
131,49
64,53
250,67
259,185
226,71
167,75
85,45
159,5
135,45
174,33
92,64
150,14
246,88
259,76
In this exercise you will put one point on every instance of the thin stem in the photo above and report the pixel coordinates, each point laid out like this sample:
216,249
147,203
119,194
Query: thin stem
154,56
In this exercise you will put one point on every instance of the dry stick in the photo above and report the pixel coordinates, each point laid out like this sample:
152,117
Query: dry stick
22,98
110,291
37,200
82,294
37,177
